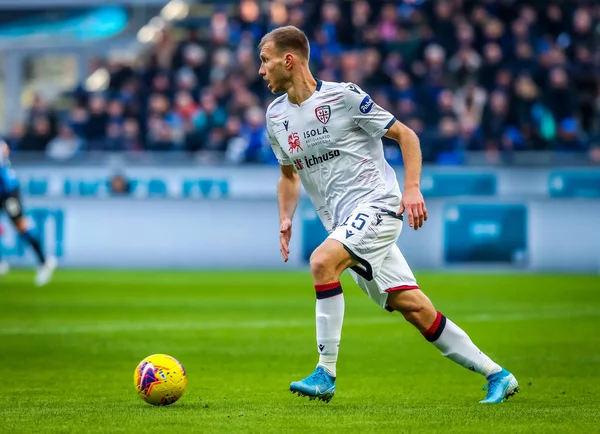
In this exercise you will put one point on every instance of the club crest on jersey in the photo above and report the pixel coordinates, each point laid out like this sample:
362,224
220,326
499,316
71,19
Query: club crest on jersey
294,143
323,112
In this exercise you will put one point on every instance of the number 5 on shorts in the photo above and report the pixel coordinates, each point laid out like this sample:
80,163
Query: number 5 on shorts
360,218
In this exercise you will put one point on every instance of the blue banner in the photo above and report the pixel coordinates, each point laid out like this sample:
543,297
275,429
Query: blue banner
478,233
463,184
574,184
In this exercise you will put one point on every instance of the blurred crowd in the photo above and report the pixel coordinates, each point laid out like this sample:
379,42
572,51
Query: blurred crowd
487,75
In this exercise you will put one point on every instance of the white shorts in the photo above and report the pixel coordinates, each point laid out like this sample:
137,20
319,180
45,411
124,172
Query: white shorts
370,235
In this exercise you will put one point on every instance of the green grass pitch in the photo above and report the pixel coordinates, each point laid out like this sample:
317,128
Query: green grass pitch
68,352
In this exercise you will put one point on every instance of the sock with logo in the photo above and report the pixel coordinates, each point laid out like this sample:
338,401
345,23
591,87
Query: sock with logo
455,344
330,316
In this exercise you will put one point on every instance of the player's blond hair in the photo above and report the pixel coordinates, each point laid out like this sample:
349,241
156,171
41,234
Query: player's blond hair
288,39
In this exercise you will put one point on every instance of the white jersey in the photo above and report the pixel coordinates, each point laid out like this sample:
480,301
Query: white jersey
334,141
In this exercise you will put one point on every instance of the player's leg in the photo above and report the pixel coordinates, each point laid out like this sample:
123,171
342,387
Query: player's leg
14,209
4,267
32,238
446,336
360,243
327,263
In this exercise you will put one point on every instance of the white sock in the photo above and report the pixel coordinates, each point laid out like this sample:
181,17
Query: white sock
455,344
330,316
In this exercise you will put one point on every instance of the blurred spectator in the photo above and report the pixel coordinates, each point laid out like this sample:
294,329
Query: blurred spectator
131,133
254,130
495,119
65,146
559,96
568,136
464,65
116,111
469,102
208,116
40,109
164,128
374,77
94,129
444,27
444,108
586,84
449,143
524,60
526,96
120,72
15,136
554,21
491,64
114,141
78,118
37,137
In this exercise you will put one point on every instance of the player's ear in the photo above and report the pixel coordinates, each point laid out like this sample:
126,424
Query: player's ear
289,60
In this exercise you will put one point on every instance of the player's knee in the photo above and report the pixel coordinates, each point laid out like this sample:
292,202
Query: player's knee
414,306
320,265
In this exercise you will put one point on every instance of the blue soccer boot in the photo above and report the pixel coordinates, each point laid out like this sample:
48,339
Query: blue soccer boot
501,385
318,385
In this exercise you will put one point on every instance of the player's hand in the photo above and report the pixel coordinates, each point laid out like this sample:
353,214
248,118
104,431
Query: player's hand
414,205
285,234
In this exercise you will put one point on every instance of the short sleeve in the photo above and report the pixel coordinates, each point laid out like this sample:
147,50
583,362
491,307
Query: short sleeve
282,158
366,113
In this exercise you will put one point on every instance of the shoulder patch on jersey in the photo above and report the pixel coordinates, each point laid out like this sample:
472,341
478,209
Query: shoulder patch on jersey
353,88
366,105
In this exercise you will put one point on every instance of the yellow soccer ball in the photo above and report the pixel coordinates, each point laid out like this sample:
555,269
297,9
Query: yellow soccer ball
159,379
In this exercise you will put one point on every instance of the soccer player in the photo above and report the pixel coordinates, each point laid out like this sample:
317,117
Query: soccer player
327,137
10,201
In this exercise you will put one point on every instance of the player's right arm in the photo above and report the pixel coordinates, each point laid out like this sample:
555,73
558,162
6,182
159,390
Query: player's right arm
288,195
288,192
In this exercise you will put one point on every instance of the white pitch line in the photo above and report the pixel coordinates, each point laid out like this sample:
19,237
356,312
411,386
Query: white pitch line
115,327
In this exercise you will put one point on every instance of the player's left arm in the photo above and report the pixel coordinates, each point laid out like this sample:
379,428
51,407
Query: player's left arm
378,122
412,199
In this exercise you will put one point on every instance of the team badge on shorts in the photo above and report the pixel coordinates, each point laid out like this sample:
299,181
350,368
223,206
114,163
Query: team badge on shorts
323,112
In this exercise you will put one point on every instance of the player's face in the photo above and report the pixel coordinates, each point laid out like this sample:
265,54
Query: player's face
272,68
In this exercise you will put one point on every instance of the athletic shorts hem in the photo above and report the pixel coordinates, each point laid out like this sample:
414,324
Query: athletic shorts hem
402,288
